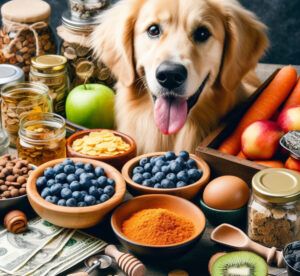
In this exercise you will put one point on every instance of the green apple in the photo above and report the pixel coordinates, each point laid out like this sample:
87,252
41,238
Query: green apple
91,105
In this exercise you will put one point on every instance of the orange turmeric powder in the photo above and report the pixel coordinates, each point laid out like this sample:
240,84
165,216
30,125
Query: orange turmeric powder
158,227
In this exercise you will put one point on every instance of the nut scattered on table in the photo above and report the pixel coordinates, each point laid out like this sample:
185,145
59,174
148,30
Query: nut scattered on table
15,222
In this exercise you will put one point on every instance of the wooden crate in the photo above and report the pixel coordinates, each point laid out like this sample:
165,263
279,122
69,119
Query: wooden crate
224,164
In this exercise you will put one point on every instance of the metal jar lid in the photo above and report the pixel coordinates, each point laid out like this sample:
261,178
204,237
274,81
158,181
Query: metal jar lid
10,73
76,24
49,63
277,185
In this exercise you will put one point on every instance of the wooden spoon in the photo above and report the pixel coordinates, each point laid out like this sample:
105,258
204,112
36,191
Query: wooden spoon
229,235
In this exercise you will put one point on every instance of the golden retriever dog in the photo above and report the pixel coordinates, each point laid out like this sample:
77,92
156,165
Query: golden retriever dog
181,65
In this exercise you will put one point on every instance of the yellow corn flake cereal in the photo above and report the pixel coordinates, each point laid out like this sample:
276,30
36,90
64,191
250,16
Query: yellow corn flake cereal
100,143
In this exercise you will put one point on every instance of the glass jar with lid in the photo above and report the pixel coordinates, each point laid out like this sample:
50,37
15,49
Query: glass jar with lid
274,208
76,48
41,138
86,8
25,32
51,70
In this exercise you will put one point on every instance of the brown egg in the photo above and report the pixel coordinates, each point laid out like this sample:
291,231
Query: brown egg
226,193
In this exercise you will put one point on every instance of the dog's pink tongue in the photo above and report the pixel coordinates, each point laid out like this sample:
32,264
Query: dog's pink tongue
170,114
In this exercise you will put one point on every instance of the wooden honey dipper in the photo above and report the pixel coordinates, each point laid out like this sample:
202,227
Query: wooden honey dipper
128,263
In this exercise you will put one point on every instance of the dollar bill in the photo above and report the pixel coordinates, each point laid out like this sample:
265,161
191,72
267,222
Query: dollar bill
17,249
78,245
46,254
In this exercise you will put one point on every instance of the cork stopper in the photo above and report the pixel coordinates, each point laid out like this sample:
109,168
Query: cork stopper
26,11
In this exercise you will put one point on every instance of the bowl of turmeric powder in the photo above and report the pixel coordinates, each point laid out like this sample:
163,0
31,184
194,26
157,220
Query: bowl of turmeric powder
158,225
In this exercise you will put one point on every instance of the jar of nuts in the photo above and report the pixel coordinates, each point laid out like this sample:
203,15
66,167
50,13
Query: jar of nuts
274,209
51,70
76,48
86,8
25,32
19,99
41,138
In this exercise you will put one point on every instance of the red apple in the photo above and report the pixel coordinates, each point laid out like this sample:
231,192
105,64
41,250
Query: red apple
260,140
289,119
292,164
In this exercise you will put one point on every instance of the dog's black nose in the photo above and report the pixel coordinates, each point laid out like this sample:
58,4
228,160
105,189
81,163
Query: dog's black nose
171,75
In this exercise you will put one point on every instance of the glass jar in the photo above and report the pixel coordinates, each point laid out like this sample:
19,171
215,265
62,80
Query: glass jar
51,70
25,33
42,138
19,99
10,73
76,48
86,8
274,208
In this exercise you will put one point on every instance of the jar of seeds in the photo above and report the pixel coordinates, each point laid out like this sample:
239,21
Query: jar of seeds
19,99
86,8
274,209
41,138
51,70
25,32
77,49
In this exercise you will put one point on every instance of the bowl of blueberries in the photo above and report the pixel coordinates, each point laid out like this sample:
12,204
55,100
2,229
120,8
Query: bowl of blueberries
75,192
291,256
181,174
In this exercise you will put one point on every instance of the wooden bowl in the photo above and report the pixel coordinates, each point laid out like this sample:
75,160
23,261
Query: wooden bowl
175,204
188,192
74,217
116,161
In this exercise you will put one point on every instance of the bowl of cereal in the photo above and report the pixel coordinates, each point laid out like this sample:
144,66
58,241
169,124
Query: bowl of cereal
109,146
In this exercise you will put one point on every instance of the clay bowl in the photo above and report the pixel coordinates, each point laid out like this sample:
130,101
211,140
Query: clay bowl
116,161
175,204
187,192
74,217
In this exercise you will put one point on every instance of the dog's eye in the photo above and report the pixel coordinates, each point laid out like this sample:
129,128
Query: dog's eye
201,34
154,31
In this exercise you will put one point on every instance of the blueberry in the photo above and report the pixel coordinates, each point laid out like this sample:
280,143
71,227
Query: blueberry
180,161
61,202
45,192
162,158
183,176
297,266
51,182
157,186
138,169
102,181
191,164
52,199
184,154
175,167
296,245
194,174
152,160
147,183
56,188
83,193
79,165
100,191
98,202
111,182
49,173
159,163
148,167
81,204
155,169
77,195
143,161
94,191
180,184
66,185
99,171
94,182
165,169
75,186
41,181
90,175
61,177
68,169
166,183
55,199
104,198
170,155
85,184
84,176
71,202
66,193
298,258
146,175
109,190
68,161
89,200
171,177
71,178
88,167
159,176
58,168
79,171
138,178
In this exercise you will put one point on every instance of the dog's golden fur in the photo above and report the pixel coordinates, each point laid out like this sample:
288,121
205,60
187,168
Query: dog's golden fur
237,42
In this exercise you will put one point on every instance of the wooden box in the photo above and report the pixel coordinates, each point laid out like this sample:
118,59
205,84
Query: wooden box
224,164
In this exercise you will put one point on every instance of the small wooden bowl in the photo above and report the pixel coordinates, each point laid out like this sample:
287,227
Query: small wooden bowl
175,204
74,217
188,192
116,161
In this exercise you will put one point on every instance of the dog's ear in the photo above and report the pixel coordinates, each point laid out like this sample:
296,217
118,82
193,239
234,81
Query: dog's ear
245,43
112,40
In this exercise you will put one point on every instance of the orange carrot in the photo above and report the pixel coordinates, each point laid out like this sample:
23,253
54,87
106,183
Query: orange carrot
263,108
271,163
294,98
241,155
